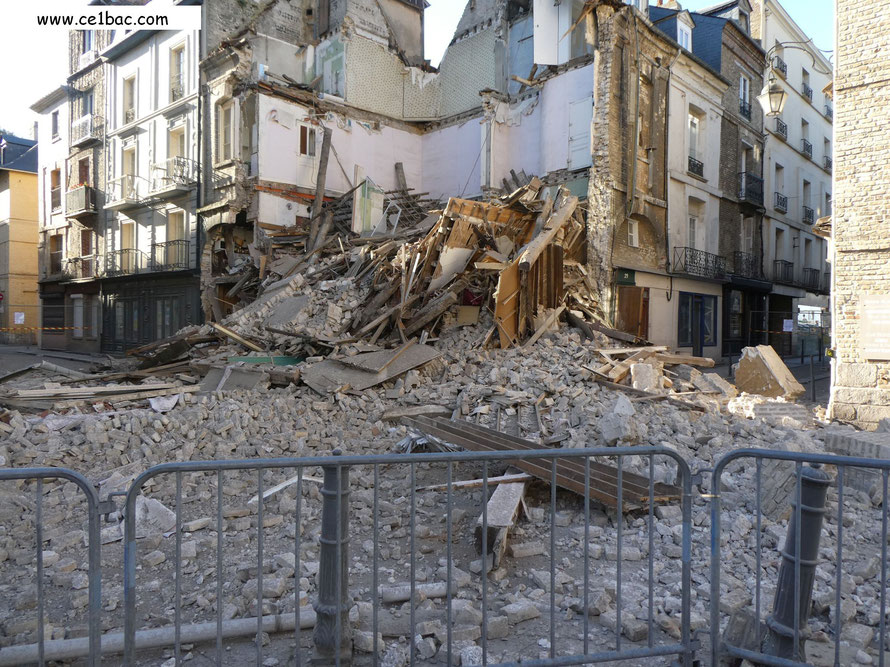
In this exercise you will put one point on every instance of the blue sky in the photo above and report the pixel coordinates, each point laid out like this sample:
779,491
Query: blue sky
815,18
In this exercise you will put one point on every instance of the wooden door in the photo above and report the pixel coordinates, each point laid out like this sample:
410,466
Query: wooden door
633,310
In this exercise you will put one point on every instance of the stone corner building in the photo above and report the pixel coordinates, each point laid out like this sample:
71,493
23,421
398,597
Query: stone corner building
861,243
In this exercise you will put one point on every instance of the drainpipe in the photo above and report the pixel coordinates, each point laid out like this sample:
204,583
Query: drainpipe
667,212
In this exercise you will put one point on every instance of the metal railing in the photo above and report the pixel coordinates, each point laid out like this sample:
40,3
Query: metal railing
745,108
126,189
827,162
174,173
82,268
696,262
829,112
341,576
170,255
808,214
783,272
747,265
86,128
46,603
696,167
176,87
779,638
125,262
751,188
80,201
55,197
807,91
811,279
781,128
806,148
781,202
780,66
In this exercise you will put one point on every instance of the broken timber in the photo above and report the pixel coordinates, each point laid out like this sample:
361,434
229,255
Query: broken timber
569,472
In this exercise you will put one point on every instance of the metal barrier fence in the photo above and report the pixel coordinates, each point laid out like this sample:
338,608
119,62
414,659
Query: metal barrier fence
331,626
90,648
780,639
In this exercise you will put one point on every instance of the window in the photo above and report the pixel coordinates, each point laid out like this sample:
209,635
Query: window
176,142
224,132
55,179
166,317
307,141
695,216
86,253
684,36
128,162
780,178
119,320
694,134
693,225
87,41
827,209
743,22
806,193
748,235
807,253
55,124
633,233
86,103
77,315
745,96
83,171
804,130
53,312
56,250
177,69
129,99
697,312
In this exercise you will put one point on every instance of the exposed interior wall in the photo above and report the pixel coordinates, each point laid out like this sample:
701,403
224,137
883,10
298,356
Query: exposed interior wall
451,160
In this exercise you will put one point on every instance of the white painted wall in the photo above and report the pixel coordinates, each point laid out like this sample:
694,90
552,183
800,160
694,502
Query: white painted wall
52,154
451,160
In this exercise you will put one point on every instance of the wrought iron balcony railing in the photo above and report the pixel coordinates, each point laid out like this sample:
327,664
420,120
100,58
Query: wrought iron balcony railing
746,265
694,262
827,162
55,196
811,279
696,167
808,215
86,129
781,128
781,203
176,87
780,66
170,256
80,201
124,262
806,148
745,109
783,272
807,91
751,188
82,268
174,173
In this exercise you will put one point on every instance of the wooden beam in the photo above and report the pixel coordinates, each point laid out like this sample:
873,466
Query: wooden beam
545,238
669,359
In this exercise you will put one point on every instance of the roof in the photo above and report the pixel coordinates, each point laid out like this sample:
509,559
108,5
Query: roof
50,100
17,153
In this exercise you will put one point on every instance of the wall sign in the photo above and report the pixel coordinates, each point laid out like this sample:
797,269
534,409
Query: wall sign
874,323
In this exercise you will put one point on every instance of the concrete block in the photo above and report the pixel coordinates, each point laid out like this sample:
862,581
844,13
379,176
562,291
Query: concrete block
761,371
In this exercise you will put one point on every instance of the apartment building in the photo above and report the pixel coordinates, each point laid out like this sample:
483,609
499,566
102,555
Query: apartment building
150,280
19,315
797,170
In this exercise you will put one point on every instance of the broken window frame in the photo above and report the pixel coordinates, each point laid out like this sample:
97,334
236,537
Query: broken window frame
225,132
307,141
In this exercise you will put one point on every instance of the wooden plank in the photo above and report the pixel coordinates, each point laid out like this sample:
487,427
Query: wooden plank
545,238
502,511
545,326
478,483
673,359
506,309
640,392
235,337
416,411
629,350
331,375
375,362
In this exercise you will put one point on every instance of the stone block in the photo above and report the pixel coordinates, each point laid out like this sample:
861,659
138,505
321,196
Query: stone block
645,377
518,612
761,371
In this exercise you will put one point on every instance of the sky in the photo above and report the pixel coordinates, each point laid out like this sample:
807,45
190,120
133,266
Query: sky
20,87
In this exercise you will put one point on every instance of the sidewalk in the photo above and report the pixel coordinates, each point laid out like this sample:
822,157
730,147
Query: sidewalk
800,371
12,351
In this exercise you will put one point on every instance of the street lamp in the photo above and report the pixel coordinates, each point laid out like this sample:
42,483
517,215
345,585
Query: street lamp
773,96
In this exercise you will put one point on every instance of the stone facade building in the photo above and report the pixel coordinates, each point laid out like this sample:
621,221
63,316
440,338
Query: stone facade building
860,242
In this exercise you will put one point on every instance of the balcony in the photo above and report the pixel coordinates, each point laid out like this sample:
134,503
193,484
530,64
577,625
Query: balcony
125,192
782,129
170,256
82,268
783,272
827,162
806,148
811,280
746,265
696,167
750,188
807,91
781,203
129,116
745,109
125,262
780,66
694,262
86,130
55,196
808,215
173,176
80,202
829,112
177,90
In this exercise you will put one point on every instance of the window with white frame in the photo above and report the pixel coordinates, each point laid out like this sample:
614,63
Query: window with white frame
87,42
307,140
225,131
684,36
633,233
177,72
55,124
